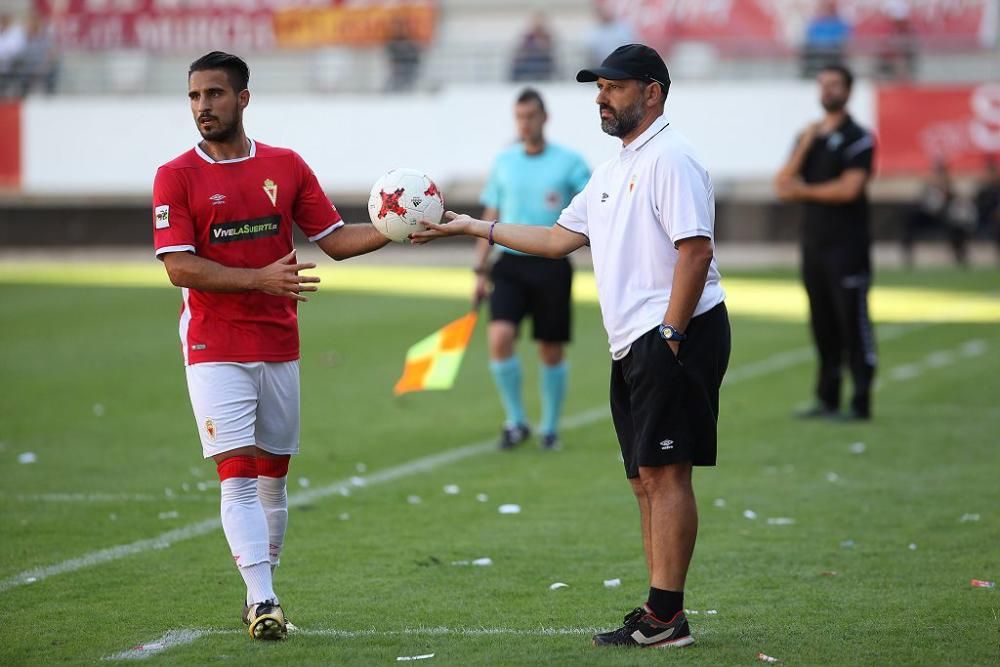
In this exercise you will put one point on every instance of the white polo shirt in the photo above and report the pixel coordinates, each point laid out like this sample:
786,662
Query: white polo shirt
634,209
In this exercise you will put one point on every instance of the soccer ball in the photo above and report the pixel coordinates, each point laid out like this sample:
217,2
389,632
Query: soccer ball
401,200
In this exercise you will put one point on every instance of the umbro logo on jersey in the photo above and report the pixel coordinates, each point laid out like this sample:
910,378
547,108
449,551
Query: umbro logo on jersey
242,230
604,197
667,444
218,199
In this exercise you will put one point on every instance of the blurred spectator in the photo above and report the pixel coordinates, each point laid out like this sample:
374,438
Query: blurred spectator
404,56
609,33
826,37
897,51
12,41
988,203
935,215
38,64
534,59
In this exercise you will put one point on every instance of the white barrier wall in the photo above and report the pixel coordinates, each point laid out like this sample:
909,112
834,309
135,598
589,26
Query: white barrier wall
110,146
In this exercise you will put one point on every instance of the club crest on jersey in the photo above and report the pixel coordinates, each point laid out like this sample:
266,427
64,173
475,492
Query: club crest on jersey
161,216
631,183
210,429
271,190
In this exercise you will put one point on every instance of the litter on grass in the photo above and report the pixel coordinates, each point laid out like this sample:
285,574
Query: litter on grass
406,658
828,573
169,515
451,489
780,521
832,477
969,517
750,514
413,500
858,448
612,583
510,508
304,482
979,583
557,586
98,409
344,516
482,497
913,546
360,467
719,502
27,457
847,544
481,562
768,659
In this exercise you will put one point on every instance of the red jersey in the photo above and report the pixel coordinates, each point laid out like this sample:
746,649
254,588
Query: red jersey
238,213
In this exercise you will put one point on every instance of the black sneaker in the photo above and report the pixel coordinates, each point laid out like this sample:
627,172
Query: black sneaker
550,442
511,436
643,630
818,411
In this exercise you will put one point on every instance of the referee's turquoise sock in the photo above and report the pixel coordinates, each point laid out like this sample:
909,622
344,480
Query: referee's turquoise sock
507,376
553,392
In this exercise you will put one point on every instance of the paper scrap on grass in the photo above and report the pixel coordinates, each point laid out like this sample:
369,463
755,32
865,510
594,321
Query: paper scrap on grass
612,583
27,457
360,467
406,658
969,517
828,573
557,585
414,500
979,583
433,363
481,562
832,477
169,515
780,521
510,508
304,482
719,502
482,497
847,544
858,448
913,546
98,410
763,657
344,516
451,489
750,514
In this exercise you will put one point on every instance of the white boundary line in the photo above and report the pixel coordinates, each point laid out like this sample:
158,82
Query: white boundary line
174,638
776,362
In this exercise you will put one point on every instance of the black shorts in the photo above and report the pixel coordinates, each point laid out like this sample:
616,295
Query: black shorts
666,408
536,286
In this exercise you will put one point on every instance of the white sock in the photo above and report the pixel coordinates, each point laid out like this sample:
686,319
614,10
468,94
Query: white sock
274,499
245,526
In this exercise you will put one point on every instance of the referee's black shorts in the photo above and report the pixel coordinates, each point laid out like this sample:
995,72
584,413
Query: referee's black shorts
666,408
536,286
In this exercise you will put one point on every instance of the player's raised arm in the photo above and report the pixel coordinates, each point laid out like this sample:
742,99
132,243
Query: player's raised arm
280,278
555,241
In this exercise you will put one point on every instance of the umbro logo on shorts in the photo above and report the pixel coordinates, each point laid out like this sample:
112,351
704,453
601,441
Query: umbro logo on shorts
667,444
604,197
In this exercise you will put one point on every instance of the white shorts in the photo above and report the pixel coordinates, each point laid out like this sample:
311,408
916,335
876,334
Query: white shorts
245,404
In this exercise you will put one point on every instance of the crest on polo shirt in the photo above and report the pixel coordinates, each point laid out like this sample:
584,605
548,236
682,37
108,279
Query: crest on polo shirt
631,183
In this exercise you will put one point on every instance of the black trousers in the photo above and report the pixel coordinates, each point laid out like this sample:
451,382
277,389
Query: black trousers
837,282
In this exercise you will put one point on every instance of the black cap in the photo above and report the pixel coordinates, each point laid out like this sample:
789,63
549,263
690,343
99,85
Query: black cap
632,61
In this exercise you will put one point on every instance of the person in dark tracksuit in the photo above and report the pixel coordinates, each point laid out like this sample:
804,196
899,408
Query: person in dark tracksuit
828,172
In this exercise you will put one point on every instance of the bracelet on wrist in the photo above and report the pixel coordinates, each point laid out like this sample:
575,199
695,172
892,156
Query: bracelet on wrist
490,236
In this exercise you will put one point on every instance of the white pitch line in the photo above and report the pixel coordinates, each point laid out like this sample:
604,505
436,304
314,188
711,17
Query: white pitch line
67,497
174,638
776,362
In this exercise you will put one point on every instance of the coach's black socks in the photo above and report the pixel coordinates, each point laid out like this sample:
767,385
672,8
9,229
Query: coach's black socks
665,604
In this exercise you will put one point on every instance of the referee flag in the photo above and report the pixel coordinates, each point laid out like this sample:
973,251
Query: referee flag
433,363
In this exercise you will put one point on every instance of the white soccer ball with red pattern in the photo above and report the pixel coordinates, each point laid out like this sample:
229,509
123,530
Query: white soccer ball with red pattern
401,200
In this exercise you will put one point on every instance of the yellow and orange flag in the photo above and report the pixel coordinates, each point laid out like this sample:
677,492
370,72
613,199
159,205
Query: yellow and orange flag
433,363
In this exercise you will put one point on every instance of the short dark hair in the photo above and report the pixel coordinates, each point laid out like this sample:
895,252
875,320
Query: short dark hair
842,70
235,68
531,95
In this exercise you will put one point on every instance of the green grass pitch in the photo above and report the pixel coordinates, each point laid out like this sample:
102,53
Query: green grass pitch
875,569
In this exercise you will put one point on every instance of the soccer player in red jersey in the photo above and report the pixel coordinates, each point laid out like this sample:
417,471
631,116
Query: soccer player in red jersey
222,224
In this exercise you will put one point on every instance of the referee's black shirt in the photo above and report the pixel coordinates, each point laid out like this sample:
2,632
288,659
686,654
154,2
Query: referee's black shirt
844,226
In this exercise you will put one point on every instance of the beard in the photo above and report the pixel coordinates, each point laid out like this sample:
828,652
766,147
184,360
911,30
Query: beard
621,123
222,133
833,104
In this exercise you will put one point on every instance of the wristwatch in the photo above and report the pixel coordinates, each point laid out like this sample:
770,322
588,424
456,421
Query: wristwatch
670,334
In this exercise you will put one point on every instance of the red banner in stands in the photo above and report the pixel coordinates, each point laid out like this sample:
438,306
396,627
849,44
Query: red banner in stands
960,124
763,26
10,145
202,25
